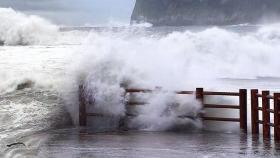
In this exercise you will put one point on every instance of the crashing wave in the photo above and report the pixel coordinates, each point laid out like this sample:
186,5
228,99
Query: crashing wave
19,29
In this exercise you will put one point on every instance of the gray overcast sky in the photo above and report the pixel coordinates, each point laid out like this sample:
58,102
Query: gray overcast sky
76,12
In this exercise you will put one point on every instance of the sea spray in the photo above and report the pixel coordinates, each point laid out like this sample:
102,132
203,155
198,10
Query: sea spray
109,61
175,61
103,84
110,70
166,111
40,81
17,28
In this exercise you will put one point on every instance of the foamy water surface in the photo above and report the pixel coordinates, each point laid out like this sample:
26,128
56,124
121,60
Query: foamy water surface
40,72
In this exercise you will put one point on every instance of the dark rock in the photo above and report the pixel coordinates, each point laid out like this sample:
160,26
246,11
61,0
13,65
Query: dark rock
205,12
17,143
25,84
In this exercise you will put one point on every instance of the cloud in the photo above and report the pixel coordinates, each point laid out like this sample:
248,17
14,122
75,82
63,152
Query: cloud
75,12
24,5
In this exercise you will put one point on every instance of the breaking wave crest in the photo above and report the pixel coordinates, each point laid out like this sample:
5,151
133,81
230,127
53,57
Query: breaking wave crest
39,84
19,29
109,62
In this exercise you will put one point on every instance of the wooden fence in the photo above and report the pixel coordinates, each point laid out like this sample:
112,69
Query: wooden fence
266,110
242,106
265,98
200,95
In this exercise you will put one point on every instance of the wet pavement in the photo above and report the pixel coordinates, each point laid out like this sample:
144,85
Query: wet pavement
135,144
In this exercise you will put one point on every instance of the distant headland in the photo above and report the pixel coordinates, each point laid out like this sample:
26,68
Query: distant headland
205,12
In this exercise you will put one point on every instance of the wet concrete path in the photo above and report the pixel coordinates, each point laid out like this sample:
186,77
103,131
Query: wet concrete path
71,144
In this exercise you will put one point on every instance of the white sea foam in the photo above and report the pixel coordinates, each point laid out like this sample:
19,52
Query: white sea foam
109,61
142,24
167,110
19,29
176,61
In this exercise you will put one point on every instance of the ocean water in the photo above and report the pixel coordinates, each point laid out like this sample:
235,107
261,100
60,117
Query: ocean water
42,65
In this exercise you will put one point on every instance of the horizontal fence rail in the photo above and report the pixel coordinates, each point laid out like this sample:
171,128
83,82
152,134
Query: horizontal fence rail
242,94
199,94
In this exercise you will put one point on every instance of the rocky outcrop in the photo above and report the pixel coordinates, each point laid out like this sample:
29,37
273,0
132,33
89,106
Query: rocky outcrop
204,12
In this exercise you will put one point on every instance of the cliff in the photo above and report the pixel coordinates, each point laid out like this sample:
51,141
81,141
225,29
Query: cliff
204,12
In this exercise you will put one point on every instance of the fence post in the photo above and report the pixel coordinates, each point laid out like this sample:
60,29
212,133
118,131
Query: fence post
255,111
243,109
276,116
199,95
82,106
265,114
